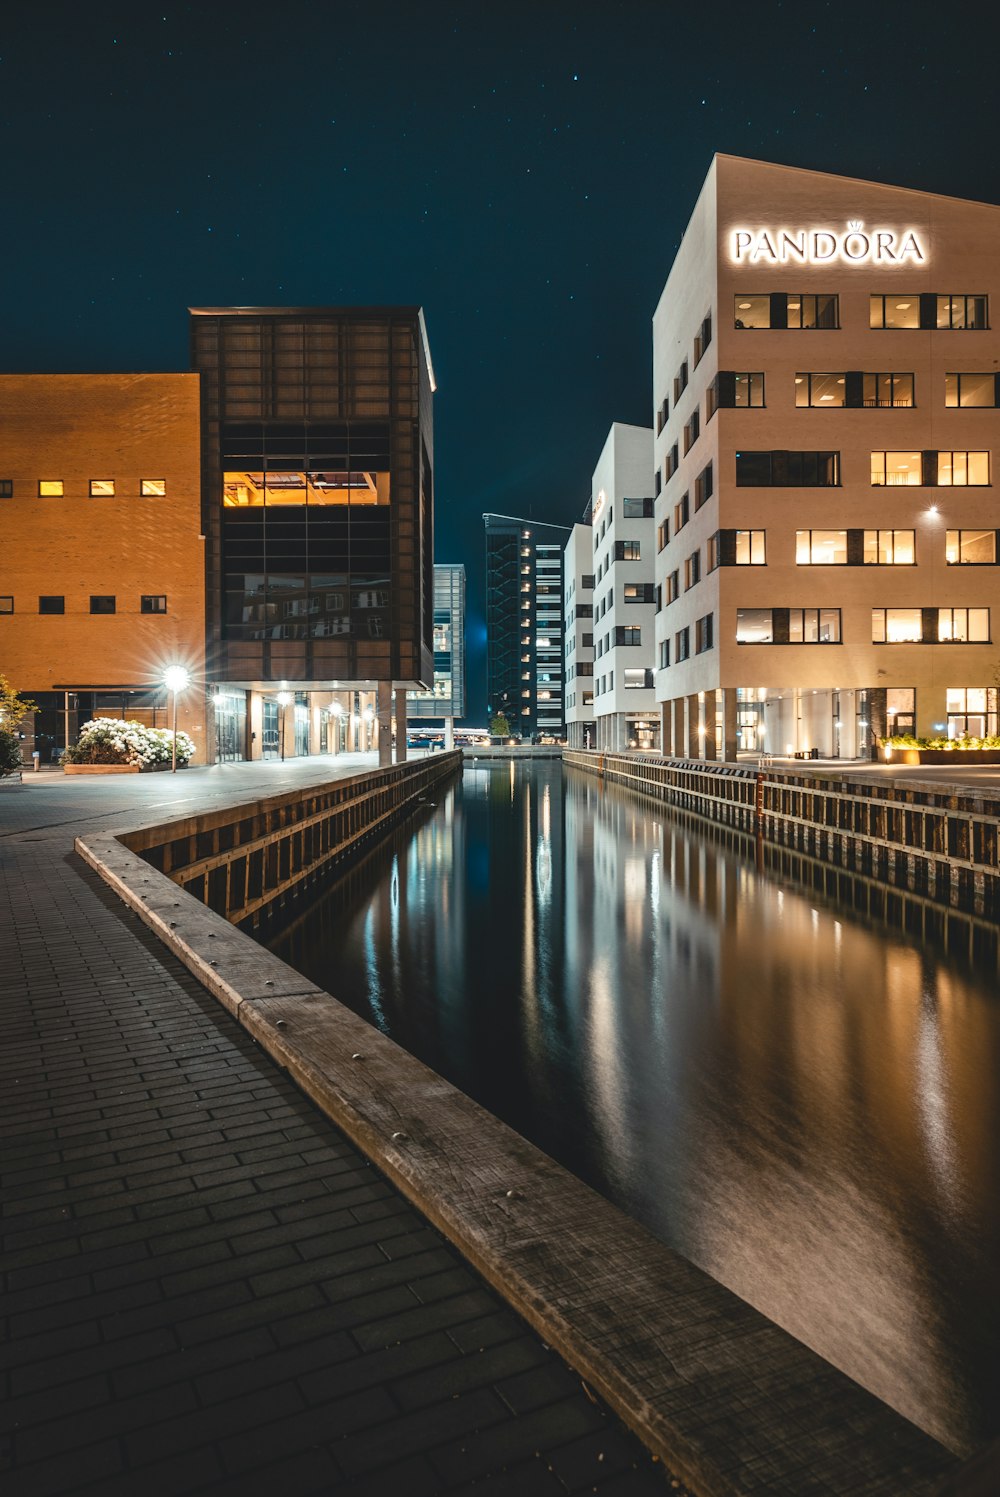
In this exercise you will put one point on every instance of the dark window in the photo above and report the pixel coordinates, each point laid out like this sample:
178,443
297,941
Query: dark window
682,645
670,463
703,486
682,513
628,634
662,534
703,634
691,431
664,654
153,603
6,603
6,488
692,570
637,509
661,416
787,469
673,587
102,603
51,603
587,581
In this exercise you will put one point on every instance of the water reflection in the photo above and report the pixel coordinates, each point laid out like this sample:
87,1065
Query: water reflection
802,1103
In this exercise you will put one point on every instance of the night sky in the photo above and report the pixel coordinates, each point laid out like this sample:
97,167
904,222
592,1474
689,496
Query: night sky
524,171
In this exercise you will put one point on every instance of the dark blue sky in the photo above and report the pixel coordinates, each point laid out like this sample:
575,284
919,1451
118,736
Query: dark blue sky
523,170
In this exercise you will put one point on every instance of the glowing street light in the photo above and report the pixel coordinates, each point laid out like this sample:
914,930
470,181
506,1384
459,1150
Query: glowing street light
175,679
284,697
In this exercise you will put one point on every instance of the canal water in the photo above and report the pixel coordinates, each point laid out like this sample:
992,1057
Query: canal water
801,1101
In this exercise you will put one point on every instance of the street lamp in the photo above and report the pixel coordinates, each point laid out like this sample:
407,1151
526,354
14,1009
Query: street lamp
284,697
175,679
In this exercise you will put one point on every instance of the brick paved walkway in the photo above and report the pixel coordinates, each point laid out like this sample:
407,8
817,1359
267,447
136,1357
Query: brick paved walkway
205,1287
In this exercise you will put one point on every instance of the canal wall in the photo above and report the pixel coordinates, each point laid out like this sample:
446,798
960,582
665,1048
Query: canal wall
730,1402
937,841
248,862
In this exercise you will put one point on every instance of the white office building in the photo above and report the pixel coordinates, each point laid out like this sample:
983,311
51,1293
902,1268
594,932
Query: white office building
578,636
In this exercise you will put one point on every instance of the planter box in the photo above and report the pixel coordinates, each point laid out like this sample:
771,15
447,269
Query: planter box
957,757
100,769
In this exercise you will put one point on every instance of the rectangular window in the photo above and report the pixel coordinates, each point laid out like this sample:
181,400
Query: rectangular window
963,469
752,312
662,534
712,553
102,603
748,390
662,416
637,509
101,488
970,390
627,551
787,469
826,391
703,634
962,311
889,548
673,587
6,488
814,626
971,548
692,570
702,339
895,626
704,486
750,548
682,645
880,391
51,603
692,431
671,463
153,488
898,310
682,513
811,311
6,603
964,625
587,581
638,680
155,603
896,469
821,548
754,626
664,654
50,488
639,592
628,634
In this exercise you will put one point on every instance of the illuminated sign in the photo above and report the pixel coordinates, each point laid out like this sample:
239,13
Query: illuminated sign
853,245
599,504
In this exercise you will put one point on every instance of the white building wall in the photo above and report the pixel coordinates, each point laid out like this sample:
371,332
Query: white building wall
578,602
623,565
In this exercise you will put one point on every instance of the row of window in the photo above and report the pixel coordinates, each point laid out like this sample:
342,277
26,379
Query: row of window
99,603
766,626
889,311
823,547
100,488
852,389
811,470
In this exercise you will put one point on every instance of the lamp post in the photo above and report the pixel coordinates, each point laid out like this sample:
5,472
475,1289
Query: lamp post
175,679
284,697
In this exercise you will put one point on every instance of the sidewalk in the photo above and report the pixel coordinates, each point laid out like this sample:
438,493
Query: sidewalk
205,1287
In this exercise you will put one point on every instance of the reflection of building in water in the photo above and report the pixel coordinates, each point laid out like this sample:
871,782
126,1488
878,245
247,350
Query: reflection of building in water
447,700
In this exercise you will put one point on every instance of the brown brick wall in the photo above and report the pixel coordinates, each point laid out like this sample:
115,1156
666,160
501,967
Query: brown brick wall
126,427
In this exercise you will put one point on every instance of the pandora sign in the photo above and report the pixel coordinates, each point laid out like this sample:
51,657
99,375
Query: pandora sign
852,245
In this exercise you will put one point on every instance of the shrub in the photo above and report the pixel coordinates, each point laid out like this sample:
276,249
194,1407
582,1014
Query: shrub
953,745
109,740
10,752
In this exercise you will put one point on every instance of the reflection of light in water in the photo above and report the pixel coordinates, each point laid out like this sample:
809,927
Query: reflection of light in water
543,861
375,993
933,1105
528,940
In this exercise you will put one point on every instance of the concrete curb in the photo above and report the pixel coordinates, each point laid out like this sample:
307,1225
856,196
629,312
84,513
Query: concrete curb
730,1402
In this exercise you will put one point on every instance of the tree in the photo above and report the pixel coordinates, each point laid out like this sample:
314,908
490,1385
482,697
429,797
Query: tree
500,727
12,706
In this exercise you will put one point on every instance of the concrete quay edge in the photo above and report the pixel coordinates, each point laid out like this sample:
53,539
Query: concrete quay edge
724,1397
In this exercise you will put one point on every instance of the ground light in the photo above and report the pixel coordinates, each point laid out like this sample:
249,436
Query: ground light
175,679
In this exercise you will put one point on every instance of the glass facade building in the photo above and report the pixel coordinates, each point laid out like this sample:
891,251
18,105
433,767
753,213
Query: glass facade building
447,700
524,624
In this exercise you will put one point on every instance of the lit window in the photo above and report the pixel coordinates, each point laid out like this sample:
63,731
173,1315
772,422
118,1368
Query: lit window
50,488
821,548
964,625
971,547
963,469
101,488
896,469
825,391
893,626
901,309
153,603
889,548
749,548
887,390
153,488
962,312
970,389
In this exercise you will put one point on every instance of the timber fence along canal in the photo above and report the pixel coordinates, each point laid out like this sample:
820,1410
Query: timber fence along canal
726,1398
938,842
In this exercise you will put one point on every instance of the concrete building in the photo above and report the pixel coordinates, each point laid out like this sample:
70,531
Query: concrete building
578,643
102,568
446,701
826,394
624,591
318,512
524,624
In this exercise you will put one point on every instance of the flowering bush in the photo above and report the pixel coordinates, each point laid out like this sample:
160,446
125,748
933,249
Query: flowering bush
956,745
109,740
